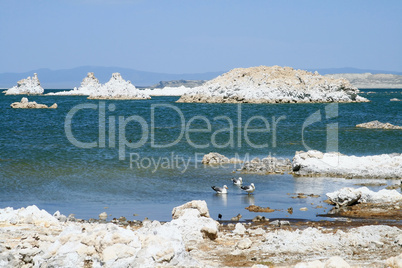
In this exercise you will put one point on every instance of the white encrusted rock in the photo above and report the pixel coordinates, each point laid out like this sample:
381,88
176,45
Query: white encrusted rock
378,125
214,159
118,251
118,88
26,86
348,196
394,261
244,244
28,215
88,85
336,262
25,104
311,264
200,205
239,229
336,164
195,227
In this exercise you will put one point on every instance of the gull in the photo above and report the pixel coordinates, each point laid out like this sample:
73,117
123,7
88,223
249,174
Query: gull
220,190
248,188
238,181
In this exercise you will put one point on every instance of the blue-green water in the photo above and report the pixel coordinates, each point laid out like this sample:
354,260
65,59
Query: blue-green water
40,165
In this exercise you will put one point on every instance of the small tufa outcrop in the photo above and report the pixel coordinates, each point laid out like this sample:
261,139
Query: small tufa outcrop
378,124
89,85
118,88
267,165
214,159
218,159
25,104
30,86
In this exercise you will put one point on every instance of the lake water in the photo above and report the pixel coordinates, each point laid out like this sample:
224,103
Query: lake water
143,157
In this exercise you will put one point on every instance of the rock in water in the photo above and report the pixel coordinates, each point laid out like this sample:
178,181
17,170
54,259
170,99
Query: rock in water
214,159
25,104
26,86
89,85
268,165
103,216
118,88
273,85
348,196
378,124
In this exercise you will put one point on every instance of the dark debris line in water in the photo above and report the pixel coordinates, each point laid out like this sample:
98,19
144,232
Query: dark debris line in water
40,166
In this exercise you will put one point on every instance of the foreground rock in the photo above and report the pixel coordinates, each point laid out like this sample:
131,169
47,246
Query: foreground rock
315,163
89,85
31,237
118,88
273,85
26,86
378,124
25,104
267,165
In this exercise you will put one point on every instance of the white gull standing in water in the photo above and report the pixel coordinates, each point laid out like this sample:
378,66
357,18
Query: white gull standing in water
238,181
248,188
220,190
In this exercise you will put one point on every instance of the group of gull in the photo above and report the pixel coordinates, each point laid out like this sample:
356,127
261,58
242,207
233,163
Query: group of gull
239,182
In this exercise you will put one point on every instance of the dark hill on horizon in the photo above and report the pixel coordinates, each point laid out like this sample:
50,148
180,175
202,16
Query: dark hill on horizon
70,78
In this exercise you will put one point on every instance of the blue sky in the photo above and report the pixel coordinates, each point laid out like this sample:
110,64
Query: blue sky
191,36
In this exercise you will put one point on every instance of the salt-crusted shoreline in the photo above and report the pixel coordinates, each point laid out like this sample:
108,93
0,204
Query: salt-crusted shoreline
315,163
166,91
273,85
30,86
34,238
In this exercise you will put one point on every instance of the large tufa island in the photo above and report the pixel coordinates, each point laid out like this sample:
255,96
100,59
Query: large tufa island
118,88
273,85
26,86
